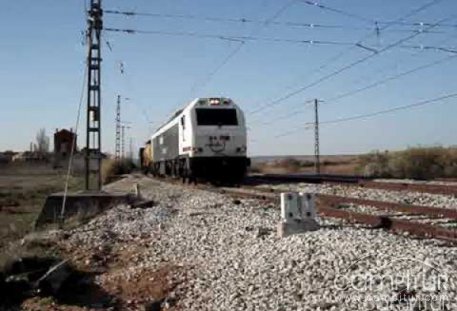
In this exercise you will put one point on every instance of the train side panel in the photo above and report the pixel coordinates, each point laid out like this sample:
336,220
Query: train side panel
165,148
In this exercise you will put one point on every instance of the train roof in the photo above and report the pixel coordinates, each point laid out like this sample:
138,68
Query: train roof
191,104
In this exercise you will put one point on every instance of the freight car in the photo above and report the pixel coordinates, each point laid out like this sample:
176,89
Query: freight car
207,139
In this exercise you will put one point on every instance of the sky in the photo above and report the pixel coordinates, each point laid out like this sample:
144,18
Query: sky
42,59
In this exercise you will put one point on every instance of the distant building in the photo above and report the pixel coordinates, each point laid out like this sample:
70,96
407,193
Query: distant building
63,141
7,156
28,156
3,158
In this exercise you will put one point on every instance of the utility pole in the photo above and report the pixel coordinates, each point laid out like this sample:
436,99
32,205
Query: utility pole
118,129
93,157
123,141
317,165
131,148
123,128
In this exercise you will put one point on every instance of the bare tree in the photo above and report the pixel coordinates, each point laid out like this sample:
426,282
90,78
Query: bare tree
42,141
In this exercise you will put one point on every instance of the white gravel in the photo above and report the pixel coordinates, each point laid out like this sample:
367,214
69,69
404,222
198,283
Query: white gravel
418,182
235,261
407,197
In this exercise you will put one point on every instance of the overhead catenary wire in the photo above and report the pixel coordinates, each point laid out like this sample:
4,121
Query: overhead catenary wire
73,147
380,22
244,39
336,98
341,12
342,53
73,142
372,114
238,48
288,115
242,42
208,78
340,70
243,20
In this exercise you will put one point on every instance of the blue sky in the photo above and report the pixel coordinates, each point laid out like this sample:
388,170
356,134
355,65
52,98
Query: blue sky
42,64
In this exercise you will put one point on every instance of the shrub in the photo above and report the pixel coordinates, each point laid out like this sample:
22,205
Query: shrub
374,164
289,164
415,163
112,168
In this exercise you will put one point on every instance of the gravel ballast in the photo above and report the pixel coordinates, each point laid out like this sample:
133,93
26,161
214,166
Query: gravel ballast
403,196
229,257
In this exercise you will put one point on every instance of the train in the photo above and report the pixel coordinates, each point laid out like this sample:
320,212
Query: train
207,139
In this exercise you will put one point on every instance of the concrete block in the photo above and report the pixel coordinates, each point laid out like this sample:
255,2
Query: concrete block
298,213
84,204
285,229
297,206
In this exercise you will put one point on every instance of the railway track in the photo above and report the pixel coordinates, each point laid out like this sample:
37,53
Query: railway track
336,207
415,221
353,181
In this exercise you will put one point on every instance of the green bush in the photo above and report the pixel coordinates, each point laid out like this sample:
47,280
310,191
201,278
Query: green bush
415,163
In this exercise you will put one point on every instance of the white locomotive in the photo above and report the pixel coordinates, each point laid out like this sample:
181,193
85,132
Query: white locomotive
207,139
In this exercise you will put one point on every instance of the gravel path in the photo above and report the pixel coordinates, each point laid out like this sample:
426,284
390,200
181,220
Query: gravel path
230,258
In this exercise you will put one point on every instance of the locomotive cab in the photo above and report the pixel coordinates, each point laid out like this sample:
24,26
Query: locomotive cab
218,139
206,139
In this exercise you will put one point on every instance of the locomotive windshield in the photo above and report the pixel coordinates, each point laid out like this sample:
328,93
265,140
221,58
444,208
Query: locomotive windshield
218,117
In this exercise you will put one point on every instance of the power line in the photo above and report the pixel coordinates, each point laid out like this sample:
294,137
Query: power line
73,144
217,69
372,114
287,115
235,51
341,12
243,20
244,39
240,46
376,22
340,70
334,99
390,78
273,102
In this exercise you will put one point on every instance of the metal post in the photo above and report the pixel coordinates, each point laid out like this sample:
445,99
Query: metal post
130,148
123,128
123,142
317,165
118,129
93,157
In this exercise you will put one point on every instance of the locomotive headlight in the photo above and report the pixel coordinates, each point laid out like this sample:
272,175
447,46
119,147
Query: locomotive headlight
241,149
214,101
197,149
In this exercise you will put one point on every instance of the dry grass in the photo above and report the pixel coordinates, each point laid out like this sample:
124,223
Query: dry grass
415,163
112,168
23,190
329,165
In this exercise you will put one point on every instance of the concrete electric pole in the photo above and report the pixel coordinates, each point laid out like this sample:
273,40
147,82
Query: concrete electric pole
118,129
93,157
317,165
